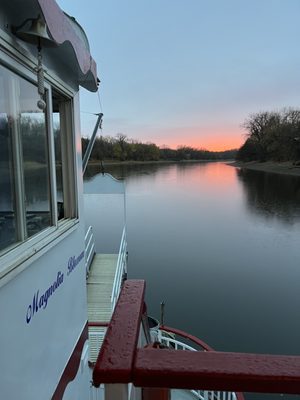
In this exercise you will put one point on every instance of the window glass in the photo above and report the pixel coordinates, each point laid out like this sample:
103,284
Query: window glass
58,159
36,170
8,232
28,193
25,206
8,225
33,132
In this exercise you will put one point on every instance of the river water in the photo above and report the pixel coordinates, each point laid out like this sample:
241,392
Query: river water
220,246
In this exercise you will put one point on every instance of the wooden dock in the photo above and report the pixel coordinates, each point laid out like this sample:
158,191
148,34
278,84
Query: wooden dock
99,289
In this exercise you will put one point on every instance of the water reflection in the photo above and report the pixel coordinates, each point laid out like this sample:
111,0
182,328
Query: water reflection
270,195
206,238
121,171
200,235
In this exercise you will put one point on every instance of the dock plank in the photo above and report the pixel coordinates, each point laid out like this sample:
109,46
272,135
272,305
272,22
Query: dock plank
99,289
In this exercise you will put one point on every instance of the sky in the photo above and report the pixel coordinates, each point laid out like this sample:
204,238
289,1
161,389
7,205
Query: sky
189,72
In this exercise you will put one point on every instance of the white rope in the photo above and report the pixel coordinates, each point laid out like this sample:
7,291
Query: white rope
99,101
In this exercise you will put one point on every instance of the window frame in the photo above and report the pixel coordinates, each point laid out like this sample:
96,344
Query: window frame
70,199
20,254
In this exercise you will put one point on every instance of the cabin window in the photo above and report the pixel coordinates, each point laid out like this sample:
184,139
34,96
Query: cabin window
36,168
8,228
25,207
34,148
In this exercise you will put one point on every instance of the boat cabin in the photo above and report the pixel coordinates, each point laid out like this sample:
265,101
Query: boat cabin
44,59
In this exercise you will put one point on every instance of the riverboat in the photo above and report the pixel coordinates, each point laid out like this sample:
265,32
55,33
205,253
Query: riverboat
72,325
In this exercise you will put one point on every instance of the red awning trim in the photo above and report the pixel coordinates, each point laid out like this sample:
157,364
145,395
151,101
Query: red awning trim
62,31
117,354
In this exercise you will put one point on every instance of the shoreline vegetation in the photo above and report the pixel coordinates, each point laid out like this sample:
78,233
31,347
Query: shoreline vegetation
121,149
285,168
272,145
272,136
273,142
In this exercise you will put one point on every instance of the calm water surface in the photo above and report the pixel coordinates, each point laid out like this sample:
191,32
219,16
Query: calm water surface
221,247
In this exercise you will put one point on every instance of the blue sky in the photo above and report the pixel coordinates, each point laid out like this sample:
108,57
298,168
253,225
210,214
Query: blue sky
189,72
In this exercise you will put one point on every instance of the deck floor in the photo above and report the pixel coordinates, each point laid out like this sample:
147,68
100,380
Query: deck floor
99,289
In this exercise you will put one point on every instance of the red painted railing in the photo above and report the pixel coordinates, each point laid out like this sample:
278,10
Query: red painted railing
120,361
217,371
116,358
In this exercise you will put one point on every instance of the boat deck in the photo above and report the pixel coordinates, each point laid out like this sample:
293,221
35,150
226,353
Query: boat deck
99,290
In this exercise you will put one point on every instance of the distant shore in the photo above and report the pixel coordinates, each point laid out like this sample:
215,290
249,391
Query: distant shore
131,162
286,168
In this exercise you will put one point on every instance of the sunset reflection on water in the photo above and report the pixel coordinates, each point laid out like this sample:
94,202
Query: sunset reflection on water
220,246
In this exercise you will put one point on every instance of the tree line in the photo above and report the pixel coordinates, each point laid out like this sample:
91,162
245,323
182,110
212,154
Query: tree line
272,136
121,148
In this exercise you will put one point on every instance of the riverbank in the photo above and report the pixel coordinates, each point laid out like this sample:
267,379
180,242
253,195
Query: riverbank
131,162
286,168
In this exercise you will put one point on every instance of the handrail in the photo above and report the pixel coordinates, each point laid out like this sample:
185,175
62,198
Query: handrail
120,270
176,344
116,357
120,361
89,249
210,370
188,336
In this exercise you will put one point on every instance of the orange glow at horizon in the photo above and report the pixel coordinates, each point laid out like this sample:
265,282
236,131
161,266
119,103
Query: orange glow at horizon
208,138
220,142
216,144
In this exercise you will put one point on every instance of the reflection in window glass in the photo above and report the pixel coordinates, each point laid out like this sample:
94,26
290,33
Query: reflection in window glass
35,160
24,165
8,233
36,171
58,162
64,172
